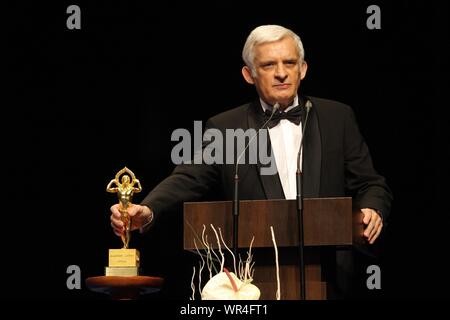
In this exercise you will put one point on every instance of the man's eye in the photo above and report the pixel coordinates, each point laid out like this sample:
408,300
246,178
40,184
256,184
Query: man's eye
266,65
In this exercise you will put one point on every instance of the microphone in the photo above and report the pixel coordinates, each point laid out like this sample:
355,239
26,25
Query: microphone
299,198
308,106
275,108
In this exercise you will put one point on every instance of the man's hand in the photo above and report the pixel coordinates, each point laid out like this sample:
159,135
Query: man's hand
140,215
374,224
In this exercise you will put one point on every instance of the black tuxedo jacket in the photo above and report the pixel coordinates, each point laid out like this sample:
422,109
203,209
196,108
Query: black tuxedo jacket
336,162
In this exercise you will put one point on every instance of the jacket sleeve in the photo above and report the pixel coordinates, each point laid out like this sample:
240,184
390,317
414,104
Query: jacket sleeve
368,188
188,182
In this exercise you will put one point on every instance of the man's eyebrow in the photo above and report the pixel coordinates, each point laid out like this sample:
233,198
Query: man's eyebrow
266,61
274,60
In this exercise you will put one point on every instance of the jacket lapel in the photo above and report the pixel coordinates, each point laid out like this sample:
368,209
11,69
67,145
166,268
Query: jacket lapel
271,183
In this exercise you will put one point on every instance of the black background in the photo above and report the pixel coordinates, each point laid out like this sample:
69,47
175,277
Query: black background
81,104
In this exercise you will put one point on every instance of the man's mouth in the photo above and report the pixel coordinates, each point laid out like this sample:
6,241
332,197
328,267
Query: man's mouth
282,86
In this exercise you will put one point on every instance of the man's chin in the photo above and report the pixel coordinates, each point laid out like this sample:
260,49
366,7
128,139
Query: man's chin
285,101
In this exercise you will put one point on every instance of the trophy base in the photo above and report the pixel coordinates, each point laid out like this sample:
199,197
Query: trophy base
122,271
123,258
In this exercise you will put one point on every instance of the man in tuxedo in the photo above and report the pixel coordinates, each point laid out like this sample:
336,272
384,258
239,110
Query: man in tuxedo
336,160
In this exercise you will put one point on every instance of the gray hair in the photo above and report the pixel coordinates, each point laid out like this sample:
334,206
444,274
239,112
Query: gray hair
264,34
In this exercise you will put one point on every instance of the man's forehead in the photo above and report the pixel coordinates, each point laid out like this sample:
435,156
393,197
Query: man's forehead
276,49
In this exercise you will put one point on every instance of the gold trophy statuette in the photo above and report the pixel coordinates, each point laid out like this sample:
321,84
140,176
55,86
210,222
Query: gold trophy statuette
125,261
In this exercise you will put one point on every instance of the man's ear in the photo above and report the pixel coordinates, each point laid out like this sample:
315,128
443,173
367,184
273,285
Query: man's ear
247,73
303,69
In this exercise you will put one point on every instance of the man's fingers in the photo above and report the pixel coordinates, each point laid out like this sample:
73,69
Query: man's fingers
367,216
377,233
117,230
375,228
372,229
374,225
116,220
133,210
118,233
369,228
115,211
116,223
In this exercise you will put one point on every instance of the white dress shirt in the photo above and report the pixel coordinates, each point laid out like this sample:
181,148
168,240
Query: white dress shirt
285,139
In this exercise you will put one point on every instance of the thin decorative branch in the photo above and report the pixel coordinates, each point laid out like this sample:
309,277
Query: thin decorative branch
202,265
222,261
247,274
212,252
231,252
192,285
209,262
278,294
241,268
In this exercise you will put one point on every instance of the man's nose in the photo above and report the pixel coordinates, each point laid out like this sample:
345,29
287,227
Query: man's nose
280,73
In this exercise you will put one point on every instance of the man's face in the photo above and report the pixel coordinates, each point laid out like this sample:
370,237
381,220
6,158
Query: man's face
278,71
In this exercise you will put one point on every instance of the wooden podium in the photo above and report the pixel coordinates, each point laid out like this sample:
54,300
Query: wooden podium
328,222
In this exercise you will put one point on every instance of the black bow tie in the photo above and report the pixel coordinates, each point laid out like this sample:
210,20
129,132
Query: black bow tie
294,115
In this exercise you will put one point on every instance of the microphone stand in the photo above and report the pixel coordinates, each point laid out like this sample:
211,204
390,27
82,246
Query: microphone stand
299,198
236,214
300,232
275,108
